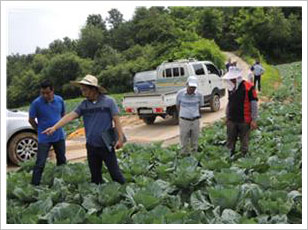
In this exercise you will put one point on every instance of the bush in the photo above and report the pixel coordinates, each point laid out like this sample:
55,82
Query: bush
202,49
64,68
25,88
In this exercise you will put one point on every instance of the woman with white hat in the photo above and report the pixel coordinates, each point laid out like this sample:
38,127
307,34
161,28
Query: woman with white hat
242,110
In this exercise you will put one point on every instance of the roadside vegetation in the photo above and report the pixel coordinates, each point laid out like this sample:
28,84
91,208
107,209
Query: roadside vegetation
114,49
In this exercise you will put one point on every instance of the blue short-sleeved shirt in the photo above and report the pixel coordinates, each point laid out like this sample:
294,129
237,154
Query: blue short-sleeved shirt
48,114
97,117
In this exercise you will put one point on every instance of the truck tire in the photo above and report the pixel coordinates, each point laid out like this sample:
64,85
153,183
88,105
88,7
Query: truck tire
22,147
149,120
215,103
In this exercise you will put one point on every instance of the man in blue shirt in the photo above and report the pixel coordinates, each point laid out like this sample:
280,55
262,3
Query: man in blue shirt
99,112
48,109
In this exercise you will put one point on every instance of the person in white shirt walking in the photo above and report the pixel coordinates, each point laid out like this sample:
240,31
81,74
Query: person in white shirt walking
188,102
258,70
250,76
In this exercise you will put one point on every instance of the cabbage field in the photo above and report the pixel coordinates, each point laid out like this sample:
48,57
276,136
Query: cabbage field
164,187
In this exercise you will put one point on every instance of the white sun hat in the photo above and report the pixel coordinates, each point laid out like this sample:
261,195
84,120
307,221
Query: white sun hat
192,81
233,73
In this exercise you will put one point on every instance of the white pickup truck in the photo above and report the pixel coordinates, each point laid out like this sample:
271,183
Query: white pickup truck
171,77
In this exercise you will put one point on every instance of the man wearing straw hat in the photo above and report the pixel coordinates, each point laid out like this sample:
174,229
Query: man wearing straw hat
99,112
242,110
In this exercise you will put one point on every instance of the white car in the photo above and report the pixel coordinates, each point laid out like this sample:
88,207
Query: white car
22,143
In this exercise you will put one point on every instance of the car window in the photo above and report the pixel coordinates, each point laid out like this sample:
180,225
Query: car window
198,69
212,69
176,72
168,72
182,71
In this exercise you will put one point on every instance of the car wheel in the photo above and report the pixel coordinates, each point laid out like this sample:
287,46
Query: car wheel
23,147
215,103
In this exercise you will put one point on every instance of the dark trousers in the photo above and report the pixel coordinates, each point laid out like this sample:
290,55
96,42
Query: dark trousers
42,155
235,130
96,156
257,79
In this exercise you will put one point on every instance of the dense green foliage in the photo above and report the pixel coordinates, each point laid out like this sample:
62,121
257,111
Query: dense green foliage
153,35
165,187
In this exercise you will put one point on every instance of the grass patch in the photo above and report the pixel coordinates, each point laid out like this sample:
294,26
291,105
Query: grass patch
270,80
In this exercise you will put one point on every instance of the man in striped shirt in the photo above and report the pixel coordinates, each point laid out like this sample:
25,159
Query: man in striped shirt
188,102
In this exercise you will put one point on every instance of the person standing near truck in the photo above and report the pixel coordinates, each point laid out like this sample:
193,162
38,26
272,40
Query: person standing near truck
258,70
228,64
250,76
48,110
188,103
242,110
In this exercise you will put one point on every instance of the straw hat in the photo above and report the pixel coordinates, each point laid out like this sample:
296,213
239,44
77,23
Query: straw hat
233,73
91,81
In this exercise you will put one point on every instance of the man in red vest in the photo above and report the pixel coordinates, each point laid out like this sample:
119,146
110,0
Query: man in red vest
242,110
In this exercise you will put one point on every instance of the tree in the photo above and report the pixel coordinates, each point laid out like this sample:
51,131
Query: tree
249,26
57,47
16,64
153,25
24,90
40,61
202,49
104,57
122,37
185,18
70,45
211,23
91,39
115,18
295,39
276,32
64,68
97,21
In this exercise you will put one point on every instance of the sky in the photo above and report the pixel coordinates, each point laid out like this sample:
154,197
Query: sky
31,24
37,24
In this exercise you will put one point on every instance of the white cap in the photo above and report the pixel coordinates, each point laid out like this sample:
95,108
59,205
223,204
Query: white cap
192,81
